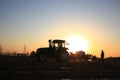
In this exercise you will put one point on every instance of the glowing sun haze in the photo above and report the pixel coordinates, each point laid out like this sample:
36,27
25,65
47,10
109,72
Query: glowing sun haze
77,43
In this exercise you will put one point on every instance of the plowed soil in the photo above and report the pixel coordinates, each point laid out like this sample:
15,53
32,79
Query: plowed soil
28,68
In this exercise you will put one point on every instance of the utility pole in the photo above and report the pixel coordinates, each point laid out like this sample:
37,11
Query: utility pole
25,48
0,49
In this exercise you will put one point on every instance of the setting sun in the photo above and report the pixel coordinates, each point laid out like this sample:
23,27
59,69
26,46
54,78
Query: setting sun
76,43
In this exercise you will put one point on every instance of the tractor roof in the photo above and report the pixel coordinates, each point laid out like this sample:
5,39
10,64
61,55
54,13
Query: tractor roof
58,41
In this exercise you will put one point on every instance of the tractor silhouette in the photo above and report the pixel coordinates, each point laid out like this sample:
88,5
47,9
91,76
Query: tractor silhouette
55,50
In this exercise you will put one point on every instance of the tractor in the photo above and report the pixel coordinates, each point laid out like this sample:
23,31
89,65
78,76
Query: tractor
55,50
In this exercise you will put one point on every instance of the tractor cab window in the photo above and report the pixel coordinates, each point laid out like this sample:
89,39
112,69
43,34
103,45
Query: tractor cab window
58,45
55,45
61,44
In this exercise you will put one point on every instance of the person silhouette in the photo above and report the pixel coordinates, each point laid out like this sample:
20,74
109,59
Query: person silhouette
102,56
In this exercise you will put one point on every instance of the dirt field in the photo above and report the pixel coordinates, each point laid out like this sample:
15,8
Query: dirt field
26,68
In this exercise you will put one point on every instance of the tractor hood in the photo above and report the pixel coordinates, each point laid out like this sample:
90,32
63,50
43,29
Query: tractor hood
42,49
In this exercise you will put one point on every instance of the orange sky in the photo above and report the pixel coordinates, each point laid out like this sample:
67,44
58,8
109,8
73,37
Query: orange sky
33,22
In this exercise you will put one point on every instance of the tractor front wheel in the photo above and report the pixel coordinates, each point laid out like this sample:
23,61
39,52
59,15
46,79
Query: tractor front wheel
42,57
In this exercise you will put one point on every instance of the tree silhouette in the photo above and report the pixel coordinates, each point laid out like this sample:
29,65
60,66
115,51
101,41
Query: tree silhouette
33,54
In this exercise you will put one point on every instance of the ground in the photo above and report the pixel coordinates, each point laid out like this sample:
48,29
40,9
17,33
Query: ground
28,68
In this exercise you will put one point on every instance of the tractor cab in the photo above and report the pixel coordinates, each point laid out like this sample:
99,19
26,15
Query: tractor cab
57,43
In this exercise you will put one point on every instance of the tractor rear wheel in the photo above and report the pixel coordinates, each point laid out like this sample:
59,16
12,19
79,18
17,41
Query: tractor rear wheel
63,57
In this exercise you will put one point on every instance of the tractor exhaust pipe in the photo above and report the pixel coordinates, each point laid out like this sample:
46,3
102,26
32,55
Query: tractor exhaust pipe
50,43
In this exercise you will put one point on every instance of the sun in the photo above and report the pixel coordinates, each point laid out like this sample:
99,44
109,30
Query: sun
76,43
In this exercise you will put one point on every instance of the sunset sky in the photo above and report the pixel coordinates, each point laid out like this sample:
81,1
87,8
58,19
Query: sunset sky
33,22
